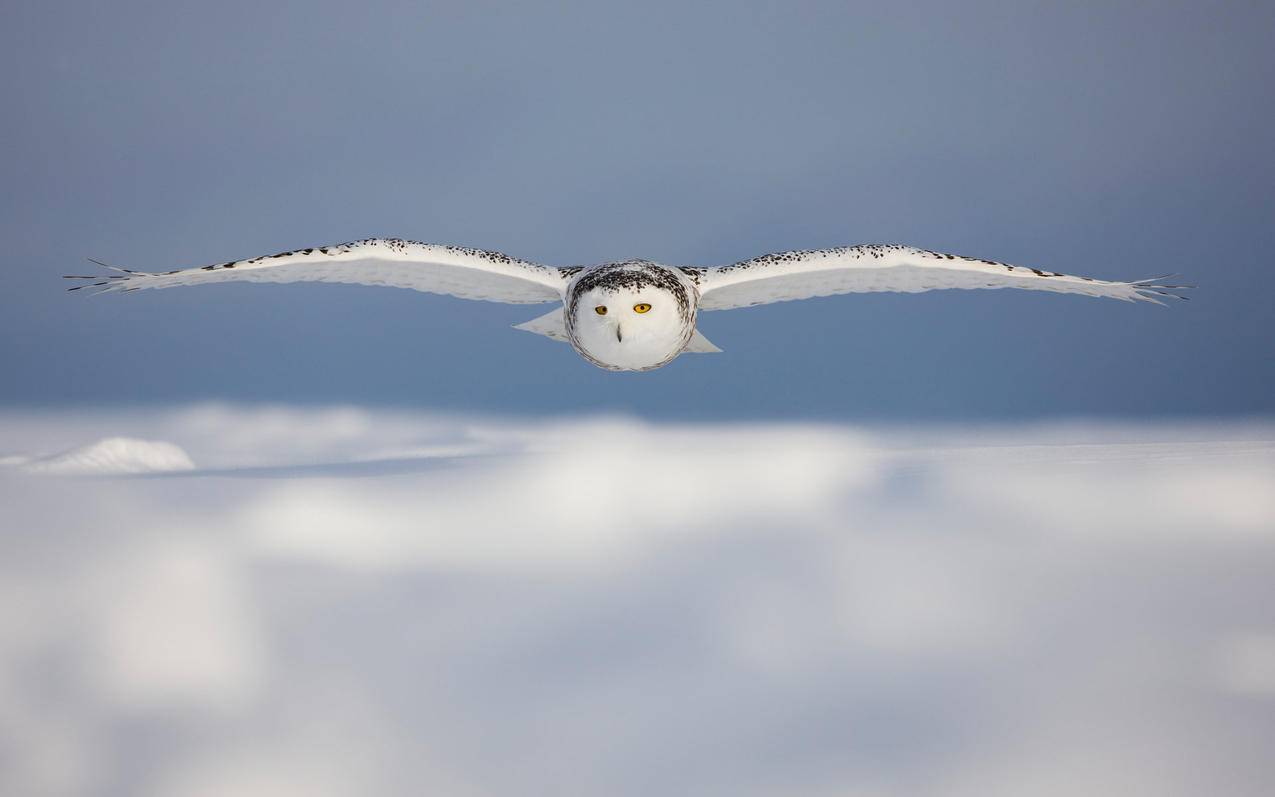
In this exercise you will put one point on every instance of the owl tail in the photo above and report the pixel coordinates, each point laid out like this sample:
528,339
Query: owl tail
553,325
700,345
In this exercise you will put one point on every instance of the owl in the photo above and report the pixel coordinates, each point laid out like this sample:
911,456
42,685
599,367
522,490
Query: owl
629,315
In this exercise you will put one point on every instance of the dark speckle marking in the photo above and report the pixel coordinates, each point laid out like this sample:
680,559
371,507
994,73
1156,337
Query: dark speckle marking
696,274
632,275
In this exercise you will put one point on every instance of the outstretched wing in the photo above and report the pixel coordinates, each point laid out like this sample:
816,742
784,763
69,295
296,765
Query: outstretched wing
867,269
454,270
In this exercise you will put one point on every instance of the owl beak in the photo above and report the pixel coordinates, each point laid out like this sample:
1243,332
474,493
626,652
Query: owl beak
618,334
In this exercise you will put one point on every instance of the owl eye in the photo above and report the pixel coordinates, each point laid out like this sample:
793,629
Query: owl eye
600,309
641,308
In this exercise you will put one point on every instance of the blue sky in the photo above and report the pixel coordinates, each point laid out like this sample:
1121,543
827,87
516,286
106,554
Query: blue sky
1113,140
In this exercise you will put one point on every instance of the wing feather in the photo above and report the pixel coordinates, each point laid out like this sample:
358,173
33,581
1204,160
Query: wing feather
866,269
453,270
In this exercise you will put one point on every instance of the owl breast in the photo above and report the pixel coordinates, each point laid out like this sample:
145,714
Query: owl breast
631,316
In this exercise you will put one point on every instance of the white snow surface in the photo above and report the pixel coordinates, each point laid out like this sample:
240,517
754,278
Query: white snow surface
340,601
112,455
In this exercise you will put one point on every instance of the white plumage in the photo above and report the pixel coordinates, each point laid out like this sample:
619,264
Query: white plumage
892,268
635,314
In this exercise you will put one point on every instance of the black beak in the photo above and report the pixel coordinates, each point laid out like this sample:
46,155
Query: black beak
618,335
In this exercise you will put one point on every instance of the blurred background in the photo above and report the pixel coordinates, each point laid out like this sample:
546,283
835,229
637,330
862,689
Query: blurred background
315,540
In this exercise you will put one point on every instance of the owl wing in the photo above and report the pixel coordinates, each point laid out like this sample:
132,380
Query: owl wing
453,270
866,269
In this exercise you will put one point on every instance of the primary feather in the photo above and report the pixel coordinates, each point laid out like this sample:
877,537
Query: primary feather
786,276
452,270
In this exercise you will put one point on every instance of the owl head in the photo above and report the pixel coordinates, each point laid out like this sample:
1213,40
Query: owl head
630,316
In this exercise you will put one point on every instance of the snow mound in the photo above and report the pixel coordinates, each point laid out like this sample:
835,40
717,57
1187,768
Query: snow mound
115,455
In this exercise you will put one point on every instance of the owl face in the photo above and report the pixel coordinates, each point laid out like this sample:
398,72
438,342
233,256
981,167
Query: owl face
630,322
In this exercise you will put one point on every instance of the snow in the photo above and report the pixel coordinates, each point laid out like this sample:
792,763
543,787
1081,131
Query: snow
342,601
112,455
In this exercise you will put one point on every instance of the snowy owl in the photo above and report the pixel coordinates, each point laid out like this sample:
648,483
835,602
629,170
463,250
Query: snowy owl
630,315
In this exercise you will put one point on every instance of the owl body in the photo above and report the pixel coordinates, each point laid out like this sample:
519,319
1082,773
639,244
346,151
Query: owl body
632,315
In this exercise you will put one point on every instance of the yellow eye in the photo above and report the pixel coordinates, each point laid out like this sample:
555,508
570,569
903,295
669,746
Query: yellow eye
641,308
600,309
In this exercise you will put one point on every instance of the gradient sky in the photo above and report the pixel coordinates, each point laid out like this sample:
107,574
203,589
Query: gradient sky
1116,140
